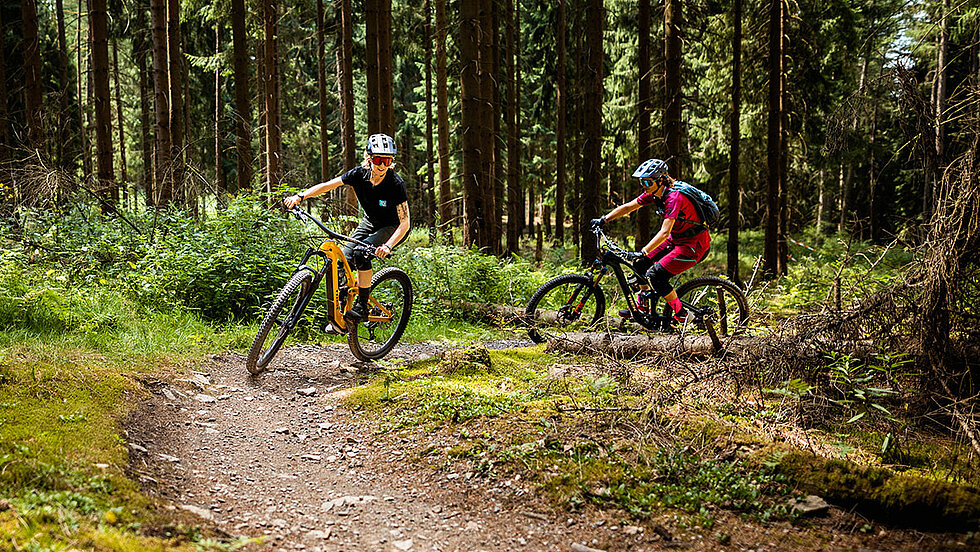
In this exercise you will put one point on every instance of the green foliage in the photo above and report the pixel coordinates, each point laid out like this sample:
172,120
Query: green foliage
865,388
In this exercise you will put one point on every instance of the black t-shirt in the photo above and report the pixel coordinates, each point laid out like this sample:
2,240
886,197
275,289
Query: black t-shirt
379,202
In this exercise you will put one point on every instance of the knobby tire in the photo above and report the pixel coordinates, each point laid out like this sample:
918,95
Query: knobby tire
358,336
300,284
586,290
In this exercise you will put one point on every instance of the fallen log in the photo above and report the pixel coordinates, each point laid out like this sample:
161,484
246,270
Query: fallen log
638,345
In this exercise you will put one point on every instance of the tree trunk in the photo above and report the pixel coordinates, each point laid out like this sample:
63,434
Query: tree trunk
592,148
643,113
99,23
561,134
498,176
734,187
5,143
32,79
63,92
163,178
141,47
371,15
774,143
469,78
119,116
673,131
385,68
243,111
176,71
219,167
513,185
321,79
942,60
430,200
487,106
261,84
345,83
442,120
273,126
82,131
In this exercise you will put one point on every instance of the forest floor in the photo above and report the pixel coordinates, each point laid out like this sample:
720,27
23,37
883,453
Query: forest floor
282,459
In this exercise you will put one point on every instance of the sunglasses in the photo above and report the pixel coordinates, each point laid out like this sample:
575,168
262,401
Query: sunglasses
382,161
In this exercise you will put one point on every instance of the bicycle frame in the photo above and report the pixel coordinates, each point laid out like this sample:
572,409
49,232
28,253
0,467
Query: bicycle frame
331,255
610,257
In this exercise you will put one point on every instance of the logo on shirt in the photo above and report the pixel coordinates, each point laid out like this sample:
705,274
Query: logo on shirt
383,202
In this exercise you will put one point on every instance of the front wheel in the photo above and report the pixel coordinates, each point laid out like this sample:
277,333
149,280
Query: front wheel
283,314
717,299
389,307
563,304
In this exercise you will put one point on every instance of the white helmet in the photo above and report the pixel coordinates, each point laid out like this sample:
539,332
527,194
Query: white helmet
381,144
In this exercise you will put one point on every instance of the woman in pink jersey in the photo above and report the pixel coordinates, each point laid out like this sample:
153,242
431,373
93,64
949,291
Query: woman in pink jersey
682,242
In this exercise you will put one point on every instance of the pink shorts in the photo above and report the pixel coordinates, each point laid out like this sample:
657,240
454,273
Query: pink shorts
677,256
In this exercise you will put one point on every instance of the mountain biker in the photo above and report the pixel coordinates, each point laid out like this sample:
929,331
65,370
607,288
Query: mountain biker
682,242
381,193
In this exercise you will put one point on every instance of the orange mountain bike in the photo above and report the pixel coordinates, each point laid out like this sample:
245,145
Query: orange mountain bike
389,305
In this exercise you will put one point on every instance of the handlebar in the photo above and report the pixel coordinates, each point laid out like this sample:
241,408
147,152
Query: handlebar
602,239
363,247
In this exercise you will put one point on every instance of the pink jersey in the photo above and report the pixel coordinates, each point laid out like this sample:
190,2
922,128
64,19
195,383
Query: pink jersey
678,207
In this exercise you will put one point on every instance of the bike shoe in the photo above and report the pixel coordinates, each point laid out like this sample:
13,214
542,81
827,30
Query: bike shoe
683,317
330,329
625,313
356,313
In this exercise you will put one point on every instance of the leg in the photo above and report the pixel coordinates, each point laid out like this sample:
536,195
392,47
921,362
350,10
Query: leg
365,272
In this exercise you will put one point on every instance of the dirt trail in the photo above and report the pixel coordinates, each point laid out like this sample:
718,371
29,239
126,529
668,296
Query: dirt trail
278,456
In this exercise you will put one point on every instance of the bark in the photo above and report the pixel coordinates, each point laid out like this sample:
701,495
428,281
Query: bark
734,187
385,69
32,78
429,146
942,60
177,123
643,113
592,147
498,172
774,142
442,119
673,132
261,83
219,167
82,75
513,186
487,105
469,60
273,127
5,144
163,182
119,115
634,346
63,95
243,111
321,78
345,83
371,15
561,134
141,47
99,23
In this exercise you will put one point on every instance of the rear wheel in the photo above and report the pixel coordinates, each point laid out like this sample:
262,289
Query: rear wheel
279,320
389,308
717,298
564,304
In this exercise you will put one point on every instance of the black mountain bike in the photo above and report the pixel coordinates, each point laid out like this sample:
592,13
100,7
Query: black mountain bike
575,302
389,305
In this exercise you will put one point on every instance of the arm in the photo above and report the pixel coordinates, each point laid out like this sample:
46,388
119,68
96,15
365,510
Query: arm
312,191
404,223
661,236
622,210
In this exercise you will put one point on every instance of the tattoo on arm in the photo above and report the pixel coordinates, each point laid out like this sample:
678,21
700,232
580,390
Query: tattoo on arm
403,211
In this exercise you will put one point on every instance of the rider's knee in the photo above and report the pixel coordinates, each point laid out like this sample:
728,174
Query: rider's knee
659,280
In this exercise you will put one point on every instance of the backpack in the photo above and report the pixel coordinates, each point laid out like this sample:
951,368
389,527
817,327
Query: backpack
706,208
